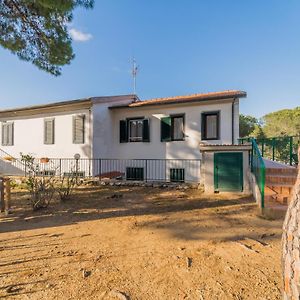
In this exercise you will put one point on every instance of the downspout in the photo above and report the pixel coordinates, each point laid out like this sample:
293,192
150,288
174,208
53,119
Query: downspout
232,122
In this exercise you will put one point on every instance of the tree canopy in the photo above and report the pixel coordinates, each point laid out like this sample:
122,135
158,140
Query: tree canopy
284,122
37,31
247,125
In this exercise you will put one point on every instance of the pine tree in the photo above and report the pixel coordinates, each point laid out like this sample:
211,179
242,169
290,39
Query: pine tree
291,246
36,31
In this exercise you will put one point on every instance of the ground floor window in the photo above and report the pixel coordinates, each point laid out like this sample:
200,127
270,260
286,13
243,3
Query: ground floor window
134,173
177,175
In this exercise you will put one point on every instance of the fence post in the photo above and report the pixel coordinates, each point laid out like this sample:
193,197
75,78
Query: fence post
60,167
7,195
262,148
2,203
146,169
273,149
291,150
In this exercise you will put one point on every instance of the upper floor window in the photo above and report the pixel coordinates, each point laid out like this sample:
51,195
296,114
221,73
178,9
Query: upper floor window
210,126
134,130
79,129
49,131
172,128
8,134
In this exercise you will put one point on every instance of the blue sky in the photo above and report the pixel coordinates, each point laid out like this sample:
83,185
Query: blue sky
181,47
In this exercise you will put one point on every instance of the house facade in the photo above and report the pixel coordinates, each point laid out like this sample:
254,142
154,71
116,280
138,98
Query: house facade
123,127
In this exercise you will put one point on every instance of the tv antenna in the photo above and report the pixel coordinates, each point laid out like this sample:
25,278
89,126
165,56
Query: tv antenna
134,74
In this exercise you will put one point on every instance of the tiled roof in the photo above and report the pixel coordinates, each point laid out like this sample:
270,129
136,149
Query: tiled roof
188,98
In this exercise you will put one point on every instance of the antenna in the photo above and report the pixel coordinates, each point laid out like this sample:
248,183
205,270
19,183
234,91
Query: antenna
134,74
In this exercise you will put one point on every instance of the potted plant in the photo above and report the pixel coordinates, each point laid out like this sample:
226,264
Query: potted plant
44,160
9,158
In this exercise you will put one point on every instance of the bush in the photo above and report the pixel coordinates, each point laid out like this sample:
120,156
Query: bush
41,188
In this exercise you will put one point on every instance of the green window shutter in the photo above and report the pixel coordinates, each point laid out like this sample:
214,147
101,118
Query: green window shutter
165,125
11,134
4,134
78,129
123,131
49,131
7,134
146,130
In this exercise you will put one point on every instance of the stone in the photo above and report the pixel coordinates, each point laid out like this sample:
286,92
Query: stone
86,273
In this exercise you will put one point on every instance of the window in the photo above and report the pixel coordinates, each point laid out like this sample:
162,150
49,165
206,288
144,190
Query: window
78,129
210,126
134,173
172,128
7,134
49,131
177,175
134,130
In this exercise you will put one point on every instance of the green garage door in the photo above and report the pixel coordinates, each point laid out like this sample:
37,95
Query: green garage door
228,171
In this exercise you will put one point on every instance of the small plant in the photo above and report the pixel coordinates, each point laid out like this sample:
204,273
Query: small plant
40,187
66,186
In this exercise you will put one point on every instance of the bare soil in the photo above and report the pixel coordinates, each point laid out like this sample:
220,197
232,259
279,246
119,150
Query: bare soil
140,243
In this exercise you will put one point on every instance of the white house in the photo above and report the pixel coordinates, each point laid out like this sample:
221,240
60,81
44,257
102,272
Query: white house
126,130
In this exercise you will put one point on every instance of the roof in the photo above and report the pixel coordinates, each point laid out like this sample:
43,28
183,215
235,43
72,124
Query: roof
230,94
60,106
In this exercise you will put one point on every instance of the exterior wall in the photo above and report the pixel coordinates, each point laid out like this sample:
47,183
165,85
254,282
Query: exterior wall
103,124
207,171
187,149
29,136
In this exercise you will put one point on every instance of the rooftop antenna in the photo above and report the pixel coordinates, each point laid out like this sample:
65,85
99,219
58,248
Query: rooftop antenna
134,74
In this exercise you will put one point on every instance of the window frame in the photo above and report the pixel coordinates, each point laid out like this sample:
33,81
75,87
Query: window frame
204,116
172,127
75,141
128,129
53,131
7,124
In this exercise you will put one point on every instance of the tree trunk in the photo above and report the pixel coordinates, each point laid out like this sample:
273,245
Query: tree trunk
291,245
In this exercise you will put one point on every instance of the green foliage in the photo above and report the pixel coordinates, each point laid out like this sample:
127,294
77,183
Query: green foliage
284,122
41,188
36,31
257,132
247,125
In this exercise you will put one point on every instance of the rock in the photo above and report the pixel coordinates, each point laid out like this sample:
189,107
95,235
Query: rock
103,183
189,262
86,273
119,295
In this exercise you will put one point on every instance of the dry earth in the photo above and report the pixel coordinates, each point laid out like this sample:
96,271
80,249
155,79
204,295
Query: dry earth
140,243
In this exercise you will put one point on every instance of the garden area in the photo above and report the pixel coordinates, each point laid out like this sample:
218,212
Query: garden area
120,242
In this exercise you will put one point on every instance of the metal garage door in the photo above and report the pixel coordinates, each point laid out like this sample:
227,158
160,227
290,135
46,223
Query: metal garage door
228,171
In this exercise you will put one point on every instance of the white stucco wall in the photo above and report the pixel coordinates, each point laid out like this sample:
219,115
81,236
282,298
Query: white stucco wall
187,149
29,136
207,170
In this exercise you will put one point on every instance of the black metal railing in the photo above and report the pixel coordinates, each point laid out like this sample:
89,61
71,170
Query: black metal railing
160,170
282,149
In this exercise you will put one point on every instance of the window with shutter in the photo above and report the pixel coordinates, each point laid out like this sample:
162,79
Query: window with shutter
7,134
172,128
135,130
78,129
49,131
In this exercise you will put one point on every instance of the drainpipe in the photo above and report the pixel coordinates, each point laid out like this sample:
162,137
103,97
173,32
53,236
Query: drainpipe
232,122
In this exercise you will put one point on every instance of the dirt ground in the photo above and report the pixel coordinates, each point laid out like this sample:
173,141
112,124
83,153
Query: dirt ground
140,243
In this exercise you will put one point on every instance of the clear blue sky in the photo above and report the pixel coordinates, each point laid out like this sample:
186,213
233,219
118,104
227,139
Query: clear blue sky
182,47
